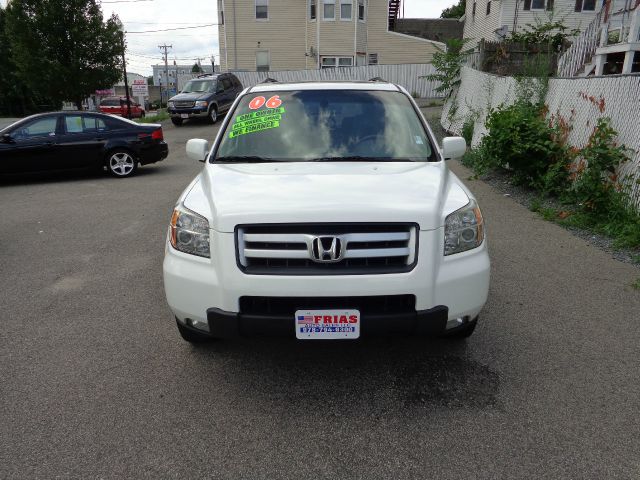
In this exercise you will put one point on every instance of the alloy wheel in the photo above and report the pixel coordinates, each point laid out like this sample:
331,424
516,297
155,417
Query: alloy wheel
121,164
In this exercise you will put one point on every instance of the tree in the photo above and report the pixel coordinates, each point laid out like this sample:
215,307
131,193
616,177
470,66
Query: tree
196,68
448,64
62,49
454,11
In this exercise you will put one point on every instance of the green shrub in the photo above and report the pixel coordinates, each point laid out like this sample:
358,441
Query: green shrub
520,138
467,130
595,186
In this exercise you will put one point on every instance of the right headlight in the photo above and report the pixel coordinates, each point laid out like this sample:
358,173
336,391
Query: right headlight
189,232
463,229
170,104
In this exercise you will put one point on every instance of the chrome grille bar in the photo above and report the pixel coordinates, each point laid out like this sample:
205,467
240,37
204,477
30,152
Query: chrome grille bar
293,249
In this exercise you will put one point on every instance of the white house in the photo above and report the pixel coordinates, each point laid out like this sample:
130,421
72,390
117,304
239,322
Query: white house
493,19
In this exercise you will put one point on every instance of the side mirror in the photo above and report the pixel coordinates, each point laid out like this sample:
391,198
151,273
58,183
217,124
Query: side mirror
453,147
7,138
197,149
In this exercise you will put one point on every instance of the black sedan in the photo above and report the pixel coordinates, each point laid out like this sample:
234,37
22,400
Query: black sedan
71,140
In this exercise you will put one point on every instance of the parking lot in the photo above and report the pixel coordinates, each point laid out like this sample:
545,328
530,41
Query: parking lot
96,382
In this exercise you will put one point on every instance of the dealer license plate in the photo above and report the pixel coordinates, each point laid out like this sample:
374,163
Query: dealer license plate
327,324
184,115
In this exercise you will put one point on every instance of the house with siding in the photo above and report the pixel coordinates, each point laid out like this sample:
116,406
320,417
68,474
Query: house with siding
265,35
492,20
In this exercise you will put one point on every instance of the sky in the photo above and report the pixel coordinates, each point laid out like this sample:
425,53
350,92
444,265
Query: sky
190,43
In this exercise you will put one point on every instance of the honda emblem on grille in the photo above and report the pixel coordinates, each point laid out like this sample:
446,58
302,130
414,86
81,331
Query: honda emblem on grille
327,249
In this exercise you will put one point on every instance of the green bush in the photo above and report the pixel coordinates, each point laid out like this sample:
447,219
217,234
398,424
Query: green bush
595,184
520,138
467,130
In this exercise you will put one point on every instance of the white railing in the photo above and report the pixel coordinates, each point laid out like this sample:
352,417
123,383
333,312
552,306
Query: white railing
410,76
582,49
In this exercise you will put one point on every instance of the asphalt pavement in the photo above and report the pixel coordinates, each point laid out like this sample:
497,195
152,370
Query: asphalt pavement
96,383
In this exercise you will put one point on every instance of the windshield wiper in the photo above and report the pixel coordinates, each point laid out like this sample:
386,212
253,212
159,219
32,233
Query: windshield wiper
360,159
244,159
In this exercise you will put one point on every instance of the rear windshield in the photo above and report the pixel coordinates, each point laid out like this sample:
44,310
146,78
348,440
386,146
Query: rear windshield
325,125
199,86
110,102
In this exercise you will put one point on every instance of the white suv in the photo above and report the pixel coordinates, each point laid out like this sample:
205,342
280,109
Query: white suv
325,210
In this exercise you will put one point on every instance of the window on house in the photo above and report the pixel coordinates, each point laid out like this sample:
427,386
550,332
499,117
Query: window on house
333,62
328,62
361,10
345,9
262,61
312,9
373,59
488,7
329,9
262,9
221,10
473,9
538,4
585,5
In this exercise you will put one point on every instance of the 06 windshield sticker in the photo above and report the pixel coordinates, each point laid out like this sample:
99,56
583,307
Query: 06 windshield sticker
257,121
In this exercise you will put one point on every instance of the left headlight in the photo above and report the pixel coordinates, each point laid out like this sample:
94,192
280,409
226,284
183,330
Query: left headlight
463,229
201,103
170,104
189,232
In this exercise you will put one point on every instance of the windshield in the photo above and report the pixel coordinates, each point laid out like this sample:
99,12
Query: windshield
110,102
199,86
325,125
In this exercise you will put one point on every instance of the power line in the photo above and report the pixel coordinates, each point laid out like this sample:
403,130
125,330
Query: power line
176,28
161,23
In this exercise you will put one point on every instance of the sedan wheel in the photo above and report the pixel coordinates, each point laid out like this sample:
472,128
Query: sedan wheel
121,164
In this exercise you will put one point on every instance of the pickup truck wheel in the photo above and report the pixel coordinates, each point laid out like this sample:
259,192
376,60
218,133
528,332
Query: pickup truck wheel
121,163
176,121
191,336
462,332
213,115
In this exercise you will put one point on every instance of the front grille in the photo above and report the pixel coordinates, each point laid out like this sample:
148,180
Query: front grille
374,305
326,249
184,104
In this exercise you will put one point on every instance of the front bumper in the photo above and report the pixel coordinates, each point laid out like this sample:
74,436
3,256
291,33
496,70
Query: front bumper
199,112
194,286
230,324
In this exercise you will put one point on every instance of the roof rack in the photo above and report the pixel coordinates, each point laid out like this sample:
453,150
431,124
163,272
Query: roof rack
377,79
270,80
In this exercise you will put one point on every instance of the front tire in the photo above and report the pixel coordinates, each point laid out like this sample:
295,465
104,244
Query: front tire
176,121
192,336
213,115
121,163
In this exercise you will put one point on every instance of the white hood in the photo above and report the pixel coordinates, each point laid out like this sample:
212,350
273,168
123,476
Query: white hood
315,192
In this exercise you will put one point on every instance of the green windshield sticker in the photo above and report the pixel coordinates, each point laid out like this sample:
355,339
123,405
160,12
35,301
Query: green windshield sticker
257,121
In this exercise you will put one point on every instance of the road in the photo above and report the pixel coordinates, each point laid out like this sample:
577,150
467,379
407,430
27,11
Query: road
96,383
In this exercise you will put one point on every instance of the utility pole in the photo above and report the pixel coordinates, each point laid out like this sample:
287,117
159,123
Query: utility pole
165,47
126,81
